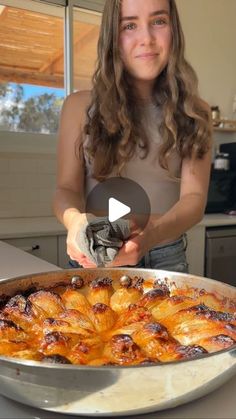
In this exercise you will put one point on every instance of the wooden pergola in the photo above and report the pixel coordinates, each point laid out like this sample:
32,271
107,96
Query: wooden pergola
32,49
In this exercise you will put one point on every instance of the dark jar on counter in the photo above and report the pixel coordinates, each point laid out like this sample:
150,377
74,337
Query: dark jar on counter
215,114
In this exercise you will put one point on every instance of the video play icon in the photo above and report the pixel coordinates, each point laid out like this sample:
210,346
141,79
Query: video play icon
119,197
117,209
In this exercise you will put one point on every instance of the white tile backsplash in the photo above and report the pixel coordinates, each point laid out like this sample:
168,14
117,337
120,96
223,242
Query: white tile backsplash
27,183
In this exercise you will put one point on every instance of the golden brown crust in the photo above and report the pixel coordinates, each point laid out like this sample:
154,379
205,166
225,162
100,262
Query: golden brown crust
131,322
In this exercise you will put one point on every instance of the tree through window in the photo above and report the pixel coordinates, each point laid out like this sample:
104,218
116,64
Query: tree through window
31,70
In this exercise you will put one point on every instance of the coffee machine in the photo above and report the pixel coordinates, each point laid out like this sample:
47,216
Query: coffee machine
222,187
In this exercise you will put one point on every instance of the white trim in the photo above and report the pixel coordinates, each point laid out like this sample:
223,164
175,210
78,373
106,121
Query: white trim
68,42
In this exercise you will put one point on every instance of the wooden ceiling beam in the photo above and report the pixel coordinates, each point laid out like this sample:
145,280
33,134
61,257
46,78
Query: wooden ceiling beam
29,77
39,79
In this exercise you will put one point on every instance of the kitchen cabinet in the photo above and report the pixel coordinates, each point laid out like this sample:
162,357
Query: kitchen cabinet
49,248
53,248
221,254
43,237
63,258
196,237
195,251
43,247
23,232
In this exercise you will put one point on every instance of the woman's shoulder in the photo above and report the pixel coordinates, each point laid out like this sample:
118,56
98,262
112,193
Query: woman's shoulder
79,100
74,109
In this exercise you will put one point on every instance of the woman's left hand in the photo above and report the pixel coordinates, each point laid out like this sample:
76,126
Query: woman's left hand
131,252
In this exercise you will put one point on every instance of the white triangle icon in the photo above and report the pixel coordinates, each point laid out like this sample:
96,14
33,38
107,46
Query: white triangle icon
116,209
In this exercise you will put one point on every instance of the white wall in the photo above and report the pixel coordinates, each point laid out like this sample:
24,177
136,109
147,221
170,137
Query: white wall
210,33
27,182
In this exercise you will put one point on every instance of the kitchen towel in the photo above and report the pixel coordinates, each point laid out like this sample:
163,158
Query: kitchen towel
100,239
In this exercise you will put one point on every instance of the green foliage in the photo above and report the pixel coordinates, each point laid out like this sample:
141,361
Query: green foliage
36,114
4,89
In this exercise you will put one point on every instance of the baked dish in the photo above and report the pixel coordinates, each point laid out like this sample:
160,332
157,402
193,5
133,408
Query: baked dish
103,322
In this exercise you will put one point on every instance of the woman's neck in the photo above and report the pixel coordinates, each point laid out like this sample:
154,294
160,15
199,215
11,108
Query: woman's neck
144,90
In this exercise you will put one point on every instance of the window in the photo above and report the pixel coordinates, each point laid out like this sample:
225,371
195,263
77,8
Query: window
86,24
31,69
33,58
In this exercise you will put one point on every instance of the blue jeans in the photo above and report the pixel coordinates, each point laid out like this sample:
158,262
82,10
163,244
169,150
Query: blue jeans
170,257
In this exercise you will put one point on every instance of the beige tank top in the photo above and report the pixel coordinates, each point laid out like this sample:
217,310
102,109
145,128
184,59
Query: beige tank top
161,187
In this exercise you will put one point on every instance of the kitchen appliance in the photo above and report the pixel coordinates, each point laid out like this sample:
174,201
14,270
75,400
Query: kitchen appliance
222,191
111,390
230,148
222,161
220,260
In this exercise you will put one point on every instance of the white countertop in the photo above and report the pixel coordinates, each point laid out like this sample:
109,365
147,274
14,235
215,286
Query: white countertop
215,220
46,226
15,262
219,404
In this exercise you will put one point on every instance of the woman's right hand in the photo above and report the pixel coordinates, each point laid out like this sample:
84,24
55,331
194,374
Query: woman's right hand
73,249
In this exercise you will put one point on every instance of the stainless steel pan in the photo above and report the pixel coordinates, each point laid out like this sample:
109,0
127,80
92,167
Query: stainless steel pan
110,390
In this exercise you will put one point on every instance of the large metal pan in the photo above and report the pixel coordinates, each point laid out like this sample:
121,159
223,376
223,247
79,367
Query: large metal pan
110,390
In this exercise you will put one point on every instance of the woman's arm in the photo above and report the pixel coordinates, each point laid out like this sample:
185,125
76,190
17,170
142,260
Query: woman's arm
69,203
187,212
190,208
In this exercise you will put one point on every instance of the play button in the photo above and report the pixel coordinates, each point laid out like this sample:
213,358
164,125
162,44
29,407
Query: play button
119,197
117,210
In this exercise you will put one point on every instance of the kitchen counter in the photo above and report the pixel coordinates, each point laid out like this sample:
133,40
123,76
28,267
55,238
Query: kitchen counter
13,228
219,404
46,226
15,262
217,220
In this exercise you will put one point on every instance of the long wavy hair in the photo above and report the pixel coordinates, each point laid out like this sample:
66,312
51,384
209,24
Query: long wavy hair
113,117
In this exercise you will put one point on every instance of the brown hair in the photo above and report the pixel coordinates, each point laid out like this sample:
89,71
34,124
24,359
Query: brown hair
114,125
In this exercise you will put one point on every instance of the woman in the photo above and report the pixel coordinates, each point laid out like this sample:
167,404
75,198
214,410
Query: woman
144,120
